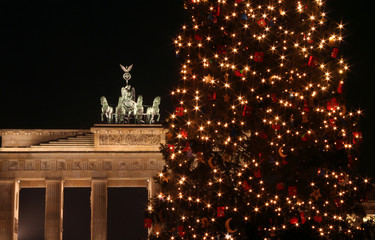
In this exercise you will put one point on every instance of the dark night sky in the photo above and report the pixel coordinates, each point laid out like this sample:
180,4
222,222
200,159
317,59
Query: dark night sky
58,58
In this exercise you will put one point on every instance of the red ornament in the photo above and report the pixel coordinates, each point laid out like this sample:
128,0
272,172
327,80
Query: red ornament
238,73
198,37
276,126
329,106
274,98
212,96
147,223
318,218
258,56
302,215
313,61
263,135
293,220
339,88
334,53
257,173
220,211
357,137
261,22
221,49
216,11
306,106
170,148
247,111
304,137
180,230
280,186
246,186
184,133
179,111
333,103
186,148
292,191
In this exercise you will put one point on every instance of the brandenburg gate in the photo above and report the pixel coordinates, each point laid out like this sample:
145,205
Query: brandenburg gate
124,152
107,155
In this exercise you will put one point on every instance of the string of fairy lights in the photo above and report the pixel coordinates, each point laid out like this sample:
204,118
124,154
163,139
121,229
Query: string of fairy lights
274,71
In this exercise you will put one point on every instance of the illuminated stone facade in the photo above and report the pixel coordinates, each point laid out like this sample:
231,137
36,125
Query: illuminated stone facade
104,156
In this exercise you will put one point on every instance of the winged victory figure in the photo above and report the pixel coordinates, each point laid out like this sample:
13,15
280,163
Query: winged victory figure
126,70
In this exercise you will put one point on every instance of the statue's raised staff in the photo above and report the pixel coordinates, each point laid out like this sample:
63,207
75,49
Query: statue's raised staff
126,76
107,110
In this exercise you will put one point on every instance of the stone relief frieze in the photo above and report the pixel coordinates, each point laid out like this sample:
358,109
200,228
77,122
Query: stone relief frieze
61,165
46,165
93,165
81,165
77,165
13,165
122,165
129,139
107,165
152,165
29,165
131,165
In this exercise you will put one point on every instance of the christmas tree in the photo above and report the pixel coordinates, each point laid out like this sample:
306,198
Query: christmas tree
260,144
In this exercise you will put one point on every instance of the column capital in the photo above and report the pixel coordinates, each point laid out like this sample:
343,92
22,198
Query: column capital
53,180
99,180
9,180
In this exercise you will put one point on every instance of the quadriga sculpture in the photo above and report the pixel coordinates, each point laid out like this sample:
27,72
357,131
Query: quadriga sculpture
120,111
128,97
153,111
138,110
107,110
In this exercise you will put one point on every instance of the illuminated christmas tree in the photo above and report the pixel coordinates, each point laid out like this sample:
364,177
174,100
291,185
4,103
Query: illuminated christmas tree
260,144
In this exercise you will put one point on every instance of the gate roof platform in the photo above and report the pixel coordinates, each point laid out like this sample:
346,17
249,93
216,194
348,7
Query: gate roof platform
124,154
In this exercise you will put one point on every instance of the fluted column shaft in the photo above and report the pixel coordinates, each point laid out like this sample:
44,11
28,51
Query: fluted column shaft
99,209
53,210
9,200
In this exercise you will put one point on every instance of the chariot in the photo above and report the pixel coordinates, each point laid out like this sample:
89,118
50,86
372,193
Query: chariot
128,110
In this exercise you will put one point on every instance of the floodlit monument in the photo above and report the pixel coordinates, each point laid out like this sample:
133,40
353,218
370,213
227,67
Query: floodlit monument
122,152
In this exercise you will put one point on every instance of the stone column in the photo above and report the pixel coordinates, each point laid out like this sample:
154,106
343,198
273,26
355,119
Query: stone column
98,209
9,200
54,210
152,188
